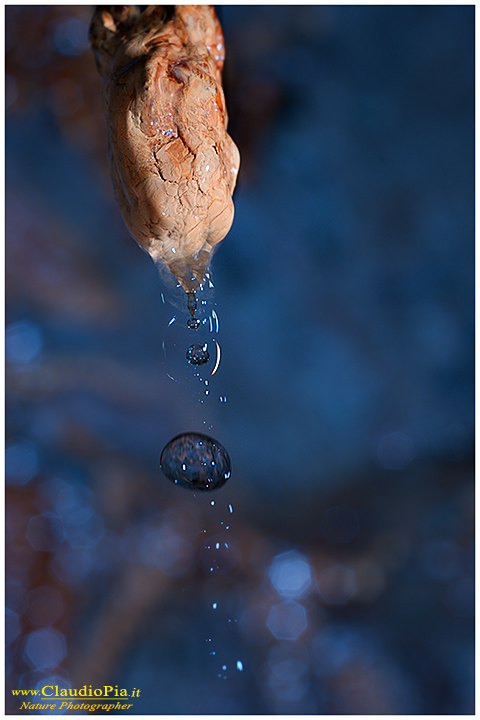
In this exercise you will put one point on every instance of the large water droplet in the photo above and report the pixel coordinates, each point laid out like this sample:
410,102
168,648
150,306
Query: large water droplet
197,354
196,461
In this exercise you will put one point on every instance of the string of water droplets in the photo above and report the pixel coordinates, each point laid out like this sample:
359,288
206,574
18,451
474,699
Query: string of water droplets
222,666
196,460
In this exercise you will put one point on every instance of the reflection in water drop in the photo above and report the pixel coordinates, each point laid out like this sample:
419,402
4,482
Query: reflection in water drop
195,461
197,354
193,323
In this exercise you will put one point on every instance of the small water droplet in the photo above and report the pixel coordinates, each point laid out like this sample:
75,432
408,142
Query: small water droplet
217,546
224,667
163,297
227,545
214,606
239,665
212,502
193,323
172,320
230,508
197,354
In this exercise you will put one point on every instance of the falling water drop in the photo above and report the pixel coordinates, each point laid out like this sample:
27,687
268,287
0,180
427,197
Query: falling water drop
230,508
213,502
192,302
239,665
197,354
214,606
195,461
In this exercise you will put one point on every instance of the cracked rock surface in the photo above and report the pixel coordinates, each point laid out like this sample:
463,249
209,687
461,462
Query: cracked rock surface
173,165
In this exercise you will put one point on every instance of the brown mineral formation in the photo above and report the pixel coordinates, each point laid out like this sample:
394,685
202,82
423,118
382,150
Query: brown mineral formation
173,165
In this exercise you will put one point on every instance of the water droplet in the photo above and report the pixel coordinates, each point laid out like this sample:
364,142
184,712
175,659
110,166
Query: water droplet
205,460
198,354
239,665
213,502
172,320
224,667
214,606
192,302
217,546
193,323
230,508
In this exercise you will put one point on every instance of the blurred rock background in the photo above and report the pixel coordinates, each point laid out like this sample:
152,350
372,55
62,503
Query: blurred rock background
345,295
